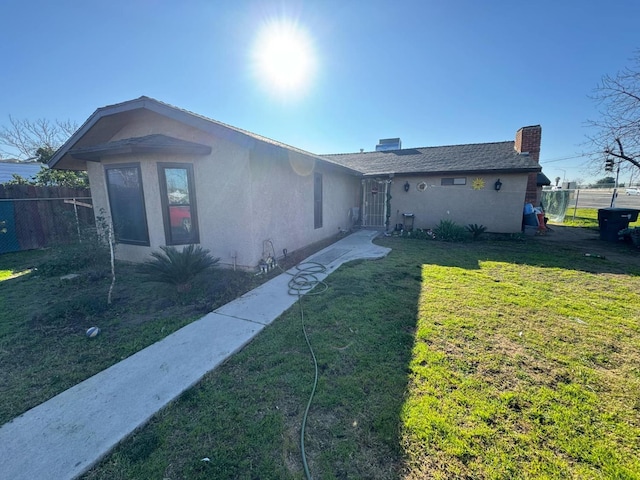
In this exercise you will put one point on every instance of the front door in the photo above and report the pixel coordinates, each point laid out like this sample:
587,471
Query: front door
374,202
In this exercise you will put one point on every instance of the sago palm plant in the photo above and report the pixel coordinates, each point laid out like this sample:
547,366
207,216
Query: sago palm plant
178,268
476,230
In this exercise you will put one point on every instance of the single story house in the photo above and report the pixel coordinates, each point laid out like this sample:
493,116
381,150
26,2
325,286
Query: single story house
485,183
167,176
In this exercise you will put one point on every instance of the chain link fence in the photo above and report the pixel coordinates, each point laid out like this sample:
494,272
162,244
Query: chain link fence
564,203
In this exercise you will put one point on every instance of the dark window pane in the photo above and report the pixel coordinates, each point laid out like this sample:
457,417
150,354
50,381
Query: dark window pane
126,200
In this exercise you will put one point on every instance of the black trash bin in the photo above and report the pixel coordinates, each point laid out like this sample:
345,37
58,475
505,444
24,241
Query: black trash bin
612,220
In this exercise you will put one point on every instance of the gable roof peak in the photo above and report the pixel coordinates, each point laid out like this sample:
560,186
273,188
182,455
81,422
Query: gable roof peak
201,122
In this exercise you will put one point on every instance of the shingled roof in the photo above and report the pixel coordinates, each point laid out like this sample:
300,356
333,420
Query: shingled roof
105,122
499,157
91,141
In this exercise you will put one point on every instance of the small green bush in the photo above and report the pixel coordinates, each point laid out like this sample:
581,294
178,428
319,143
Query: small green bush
475,230
449,231
178,268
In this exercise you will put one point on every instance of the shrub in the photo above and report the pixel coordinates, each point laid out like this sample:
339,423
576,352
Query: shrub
476,230
178,268
449,231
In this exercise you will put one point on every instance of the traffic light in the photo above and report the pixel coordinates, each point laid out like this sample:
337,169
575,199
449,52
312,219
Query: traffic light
608,164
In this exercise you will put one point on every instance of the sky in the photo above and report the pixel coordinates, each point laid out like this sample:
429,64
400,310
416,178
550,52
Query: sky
431,72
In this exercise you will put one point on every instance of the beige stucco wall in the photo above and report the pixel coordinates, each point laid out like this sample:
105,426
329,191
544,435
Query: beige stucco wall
282,201
246,195
499,211
254,198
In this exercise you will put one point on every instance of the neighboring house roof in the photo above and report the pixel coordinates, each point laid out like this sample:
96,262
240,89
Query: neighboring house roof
500,157
105,122
25,169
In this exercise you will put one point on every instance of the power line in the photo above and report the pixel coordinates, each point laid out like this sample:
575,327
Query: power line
553,160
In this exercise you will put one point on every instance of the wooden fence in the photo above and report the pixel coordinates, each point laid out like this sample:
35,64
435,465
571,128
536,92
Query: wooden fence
36,217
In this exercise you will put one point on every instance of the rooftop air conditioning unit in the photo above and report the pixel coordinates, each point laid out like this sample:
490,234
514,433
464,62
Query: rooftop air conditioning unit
386,144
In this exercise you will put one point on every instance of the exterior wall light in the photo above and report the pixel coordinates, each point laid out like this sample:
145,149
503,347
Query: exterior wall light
497,185
406,186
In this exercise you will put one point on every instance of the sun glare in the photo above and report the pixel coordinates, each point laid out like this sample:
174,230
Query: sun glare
285,60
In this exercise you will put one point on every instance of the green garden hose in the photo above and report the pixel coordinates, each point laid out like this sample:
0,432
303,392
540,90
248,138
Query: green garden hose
302,283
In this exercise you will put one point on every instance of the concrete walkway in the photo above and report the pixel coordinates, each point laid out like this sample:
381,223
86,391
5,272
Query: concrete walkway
65,436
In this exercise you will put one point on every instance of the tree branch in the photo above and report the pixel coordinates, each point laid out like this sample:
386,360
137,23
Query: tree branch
618,97
621,155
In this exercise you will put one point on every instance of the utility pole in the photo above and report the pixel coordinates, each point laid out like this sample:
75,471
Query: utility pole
564,175
609,164
615,188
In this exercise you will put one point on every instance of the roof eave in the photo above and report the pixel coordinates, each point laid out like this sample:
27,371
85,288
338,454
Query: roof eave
90,122
152,105
454,172
140,145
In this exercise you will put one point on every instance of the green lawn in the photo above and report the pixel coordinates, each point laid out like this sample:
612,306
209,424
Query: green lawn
43,320
587,217
491,359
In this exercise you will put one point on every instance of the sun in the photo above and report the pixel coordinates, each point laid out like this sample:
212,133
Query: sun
284,57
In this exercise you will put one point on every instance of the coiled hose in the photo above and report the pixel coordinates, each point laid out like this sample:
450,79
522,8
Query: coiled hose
300,284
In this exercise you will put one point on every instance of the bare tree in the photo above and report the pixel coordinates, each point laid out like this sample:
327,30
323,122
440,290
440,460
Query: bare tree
24,138
617,131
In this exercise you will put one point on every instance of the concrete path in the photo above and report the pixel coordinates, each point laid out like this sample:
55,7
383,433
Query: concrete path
65,436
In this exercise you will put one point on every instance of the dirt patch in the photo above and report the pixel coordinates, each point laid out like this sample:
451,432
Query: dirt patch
294,258
588,240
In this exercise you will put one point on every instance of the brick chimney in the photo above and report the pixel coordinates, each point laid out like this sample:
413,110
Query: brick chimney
528,141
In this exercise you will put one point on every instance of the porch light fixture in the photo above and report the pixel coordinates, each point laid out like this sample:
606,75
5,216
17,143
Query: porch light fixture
497,185
406,186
